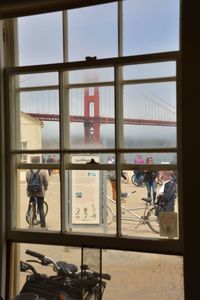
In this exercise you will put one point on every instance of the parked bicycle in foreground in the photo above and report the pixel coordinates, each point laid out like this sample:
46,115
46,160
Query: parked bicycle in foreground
68,283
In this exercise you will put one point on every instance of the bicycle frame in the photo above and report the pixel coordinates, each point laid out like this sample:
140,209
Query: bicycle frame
131,212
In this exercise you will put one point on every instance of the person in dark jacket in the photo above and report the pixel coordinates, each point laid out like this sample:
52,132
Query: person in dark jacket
167,192
150,180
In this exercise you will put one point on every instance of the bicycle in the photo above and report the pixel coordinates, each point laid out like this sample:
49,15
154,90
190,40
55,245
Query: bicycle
32,214
69,283
148,216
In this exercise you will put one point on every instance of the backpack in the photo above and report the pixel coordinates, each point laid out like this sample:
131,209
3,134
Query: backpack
34,182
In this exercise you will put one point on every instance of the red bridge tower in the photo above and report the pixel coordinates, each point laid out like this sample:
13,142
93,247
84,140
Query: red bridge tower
91,114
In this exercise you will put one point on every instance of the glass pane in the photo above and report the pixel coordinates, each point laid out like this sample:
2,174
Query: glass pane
66,255
88,158
38,79
27,215
92,31
150,115
91,75
38,118
40,39
162,275
150,26
87,198
151,70
158,158
91,117
149,195
27,158
165,269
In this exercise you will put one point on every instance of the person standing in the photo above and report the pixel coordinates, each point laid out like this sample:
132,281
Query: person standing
138,174
112,178
150,180
37,184
167,192
50,160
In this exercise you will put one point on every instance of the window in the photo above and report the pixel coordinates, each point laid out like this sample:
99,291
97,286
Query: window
94,110
120,102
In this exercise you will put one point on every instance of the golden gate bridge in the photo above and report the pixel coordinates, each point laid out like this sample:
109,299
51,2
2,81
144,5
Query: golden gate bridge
92,119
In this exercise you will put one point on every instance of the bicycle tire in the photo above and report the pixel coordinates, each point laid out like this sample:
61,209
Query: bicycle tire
123,180
135,183
153,220
33,218
110,216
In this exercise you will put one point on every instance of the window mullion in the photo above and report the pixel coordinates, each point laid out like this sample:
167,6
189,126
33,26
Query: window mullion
118,142
63,127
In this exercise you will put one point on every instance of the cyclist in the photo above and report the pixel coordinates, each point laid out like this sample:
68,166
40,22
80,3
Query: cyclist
38,193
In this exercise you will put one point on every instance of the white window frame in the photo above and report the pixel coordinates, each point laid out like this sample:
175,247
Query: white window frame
122,242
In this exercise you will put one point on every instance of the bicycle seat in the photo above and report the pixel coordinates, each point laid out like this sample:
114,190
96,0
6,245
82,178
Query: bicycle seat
147,200
67,267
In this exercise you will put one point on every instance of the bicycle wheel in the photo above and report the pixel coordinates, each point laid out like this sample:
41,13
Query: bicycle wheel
123,180
133,180
45,206
153,220
30,215
110,216
33,216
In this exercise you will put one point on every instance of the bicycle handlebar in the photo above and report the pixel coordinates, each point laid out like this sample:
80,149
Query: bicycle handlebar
35,254
44,259
65,268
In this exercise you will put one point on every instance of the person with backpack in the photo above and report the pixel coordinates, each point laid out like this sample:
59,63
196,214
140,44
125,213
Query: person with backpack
37,184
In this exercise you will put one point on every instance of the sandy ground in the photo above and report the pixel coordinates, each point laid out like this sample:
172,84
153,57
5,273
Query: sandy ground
134,275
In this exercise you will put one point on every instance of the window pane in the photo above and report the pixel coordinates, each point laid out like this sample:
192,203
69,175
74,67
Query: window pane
23,215
91,75
40,39
87,201
38,79
151,70
162,275
150,26
70,255
38,119
158,158
150,115
147,218
151,268
92,31
89,158
91,117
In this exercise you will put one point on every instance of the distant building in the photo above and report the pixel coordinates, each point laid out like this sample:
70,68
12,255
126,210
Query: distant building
31,138
31,135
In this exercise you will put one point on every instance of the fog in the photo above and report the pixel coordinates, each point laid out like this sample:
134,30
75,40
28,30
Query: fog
134,135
